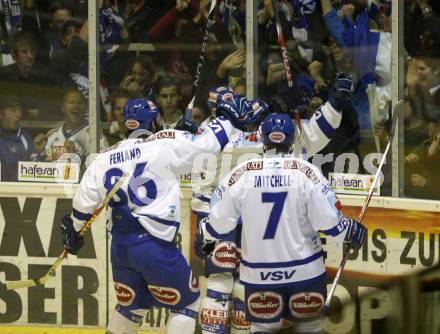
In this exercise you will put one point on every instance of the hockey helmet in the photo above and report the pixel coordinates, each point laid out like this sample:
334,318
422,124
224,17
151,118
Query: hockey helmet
139,114
219,94
277,129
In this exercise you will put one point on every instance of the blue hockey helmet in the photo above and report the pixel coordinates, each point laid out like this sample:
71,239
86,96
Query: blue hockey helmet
277,129
219,94
139,114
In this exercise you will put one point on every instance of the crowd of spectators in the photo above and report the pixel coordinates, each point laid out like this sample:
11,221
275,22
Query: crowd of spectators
44,68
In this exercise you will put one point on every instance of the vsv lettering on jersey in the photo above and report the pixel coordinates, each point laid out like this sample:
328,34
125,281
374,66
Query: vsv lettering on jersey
276,275
215,126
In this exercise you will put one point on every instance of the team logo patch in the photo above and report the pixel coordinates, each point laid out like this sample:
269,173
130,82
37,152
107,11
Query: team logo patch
277,137
124,294
306,304
254,165
225,255
265,305
227,96
193,283
165,295
256,107
132,124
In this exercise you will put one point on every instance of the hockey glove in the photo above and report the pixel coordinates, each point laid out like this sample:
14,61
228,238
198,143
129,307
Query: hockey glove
187,125
237,111
72,241
356,233
289,100
342,92
202,247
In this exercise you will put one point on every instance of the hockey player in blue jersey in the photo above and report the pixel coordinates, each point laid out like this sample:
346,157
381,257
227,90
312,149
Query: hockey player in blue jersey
283,203
148,269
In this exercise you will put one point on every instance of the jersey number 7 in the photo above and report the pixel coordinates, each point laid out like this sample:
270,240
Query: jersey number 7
278,200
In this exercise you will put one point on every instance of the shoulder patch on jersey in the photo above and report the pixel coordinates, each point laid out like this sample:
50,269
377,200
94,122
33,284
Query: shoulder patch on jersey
113,147
236,175
254,165
156,136
306,170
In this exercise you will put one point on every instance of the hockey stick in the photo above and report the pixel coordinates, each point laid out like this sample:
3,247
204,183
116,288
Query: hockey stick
283,49
202,58
397,110
13,285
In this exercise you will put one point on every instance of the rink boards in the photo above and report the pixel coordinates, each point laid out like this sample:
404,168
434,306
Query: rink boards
404,236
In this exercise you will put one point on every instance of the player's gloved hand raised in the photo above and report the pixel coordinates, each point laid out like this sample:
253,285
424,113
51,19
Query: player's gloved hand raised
342,91
202,247
288,100
237,110
356,232
72,241
187,125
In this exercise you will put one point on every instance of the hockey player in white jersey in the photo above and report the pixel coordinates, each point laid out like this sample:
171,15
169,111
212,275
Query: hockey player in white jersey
222,289
148,269
283,203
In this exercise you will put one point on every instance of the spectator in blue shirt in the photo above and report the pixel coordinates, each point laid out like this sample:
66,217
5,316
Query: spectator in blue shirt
15,143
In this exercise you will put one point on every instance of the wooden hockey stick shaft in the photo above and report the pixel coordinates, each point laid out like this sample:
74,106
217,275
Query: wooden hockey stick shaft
361,216
13,285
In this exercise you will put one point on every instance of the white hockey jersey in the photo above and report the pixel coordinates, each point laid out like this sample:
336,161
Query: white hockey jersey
154,166
283,202
80,137
316,134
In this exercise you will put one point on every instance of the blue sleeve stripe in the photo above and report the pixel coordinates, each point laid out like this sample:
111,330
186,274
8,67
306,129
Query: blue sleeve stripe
282,264
220,133
80,215
334,231
163,221
215,234
202,197
200,214
325,127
